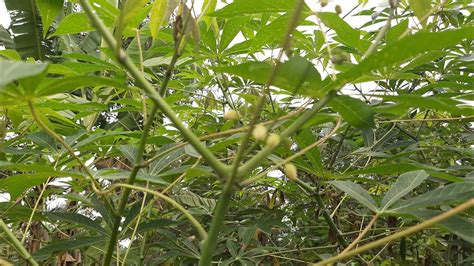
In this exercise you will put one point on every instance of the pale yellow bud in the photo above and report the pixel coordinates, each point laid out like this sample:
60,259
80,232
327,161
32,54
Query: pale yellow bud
231,115
260,132
273,140
324,3
291,172
338,9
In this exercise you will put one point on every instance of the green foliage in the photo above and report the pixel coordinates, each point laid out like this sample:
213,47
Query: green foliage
114,148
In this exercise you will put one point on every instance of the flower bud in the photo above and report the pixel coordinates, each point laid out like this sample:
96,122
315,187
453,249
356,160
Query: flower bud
231,115
291,172
324,3
273,140
260,132
338,9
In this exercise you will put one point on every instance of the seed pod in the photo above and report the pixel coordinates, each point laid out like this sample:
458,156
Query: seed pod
231,115
273,140
324,3
260,132
291,172
338,9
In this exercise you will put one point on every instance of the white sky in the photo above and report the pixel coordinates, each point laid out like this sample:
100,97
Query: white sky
313,4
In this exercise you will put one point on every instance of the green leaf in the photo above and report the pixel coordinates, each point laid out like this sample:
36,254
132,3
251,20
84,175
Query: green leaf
295,75
59,85
422,9
15,185
231,27
160,13
49,10
438,103
75,218
357,192
345,32
129,11
10,54
246,7
400,51
455,192
304,139
67,245
194,200
404,184
456,224
354,111
130,152
118,174
207,7
74,23
16,70
396,31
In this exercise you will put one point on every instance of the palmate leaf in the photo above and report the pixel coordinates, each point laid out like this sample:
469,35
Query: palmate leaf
345,32
357,192
404,184
354,111
16,70
246,7
456,224
400,51
296,75
75,218
67,245
455,192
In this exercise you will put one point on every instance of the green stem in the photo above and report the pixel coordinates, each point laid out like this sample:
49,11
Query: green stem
17,244
313,191
210,243
260,157
126,192
379,36
224,200
219,167
330,221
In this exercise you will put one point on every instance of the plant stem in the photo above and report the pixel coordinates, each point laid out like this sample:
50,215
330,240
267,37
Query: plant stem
199,228
249,181
260,156
126,192
17,244
210,243
141,81
329,220
362,234
411,230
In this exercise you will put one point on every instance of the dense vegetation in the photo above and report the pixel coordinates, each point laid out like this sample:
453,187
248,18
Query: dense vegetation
245,132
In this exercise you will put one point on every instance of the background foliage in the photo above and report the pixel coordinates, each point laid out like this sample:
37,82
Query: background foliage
160,95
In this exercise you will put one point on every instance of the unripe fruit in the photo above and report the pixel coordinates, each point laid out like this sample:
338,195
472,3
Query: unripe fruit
231,115
324,3
291,172
338,9
260,132
273,140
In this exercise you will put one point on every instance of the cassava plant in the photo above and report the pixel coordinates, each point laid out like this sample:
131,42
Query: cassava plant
245,132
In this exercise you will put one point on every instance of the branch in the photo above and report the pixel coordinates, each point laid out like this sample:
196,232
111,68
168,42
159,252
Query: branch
17,244
411,230
141,81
